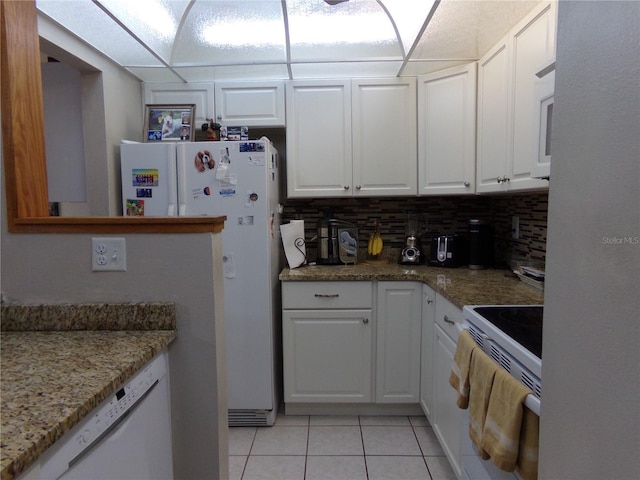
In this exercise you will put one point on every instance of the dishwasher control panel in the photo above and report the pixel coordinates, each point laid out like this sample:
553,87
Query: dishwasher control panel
71,447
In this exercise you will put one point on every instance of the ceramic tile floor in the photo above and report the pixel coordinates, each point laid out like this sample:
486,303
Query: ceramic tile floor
338,448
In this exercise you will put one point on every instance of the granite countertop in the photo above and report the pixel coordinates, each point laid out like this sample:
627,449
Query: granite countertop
461,286
54,372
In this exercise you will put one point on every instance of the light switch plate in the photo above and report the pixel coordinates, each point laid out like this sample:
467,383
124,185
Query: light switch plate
108,254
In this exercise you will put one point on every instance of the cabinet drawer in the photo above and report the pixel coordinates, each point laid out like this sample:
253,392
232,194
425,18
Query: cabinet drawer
319,295
449,317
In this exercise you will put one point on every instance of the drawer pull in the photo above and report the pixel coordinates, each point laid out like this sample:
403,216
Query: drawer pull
365,320
322,295
446,319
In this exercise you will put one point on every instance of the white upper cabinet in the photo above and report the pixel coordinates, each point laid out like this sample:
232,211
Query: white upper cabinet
534,45
447,131
351,138
254,104
384,137
200,94
508,107
318,138
493,120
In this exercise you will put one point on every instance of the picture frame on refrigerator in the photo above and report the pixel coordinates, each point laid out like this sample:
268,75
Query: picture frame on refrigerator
169,123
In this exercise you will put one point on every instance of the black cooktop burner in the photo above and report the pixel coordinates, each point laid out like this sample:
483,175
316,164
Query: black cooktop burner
522,323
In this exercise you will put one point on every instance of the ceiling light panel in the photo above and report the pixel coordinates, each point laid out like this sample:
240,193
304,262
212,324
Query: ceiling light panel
87,21
154,22
347,31
226,32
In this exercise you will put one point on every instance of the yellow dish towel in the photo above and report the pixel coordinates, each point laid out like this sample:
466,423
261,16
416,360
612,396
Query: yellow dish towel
501,434
527,465
481,375
459,377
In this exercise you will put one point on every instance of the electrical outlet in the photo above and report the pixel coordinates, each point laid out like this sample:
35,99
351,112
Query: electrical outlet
108,254
515,228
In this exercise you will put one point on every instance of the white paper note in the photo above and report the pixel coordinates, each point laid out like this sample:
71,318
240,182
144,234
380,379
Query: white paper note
293,242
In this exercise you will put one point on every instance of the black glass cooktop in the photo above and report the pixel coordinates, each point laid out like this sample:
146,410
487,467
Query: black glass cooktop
522,323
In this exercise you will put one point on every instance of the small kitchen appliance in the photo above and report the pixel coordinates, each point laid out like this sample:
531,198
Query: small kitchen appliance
480,244
337,242
411,253
448,251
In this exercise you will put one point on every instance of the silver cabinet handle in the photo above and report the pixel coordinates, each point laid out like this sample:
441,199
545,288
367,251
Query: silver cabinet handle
365,320
323,295
446,319
499,179
429,301
346,187
358,187
466,184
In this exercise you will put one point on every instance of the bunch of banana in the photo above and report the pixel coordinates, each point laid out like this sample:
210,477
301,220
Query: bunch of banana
374,247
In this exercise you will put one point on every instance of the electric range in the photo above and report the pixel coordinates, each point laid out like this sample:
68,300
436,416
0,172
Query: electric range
512,336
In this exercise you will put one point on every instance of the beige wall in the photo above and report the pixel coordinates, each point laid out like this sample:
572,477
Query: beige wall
112,111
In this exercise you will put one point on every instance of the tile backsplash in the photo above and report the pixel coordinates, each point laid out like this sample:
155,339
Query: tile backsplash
443,215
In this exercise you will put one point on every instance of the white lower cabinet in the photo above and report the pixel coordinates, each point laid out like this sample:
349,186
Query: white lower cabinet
327,334
327,355
445,417
351,342
426,359
389,344
398,312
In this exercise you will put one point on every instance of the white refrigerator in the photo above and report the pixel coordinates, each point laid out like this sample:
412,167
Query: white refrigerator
238,179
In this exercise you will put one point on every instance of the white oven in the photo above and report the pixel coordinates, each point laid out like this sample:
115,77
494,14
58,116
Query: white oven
493,328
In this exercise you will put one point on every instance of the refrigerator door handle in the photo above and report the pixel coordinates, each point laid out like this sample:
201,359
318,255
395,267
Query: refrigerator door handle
181,181
173,195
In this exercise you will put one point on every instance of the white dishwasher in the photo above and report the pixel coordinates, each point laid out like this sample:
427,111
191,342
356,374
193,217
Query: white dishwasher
127,436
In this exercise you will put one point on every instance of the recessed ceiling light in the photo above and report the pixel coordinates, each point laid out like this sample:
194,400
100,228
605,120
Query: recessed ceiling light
335,2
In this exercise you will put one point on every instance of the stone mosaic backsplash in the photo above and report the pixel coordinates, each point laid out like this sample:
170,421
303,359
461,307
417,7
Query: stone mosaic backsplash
444,215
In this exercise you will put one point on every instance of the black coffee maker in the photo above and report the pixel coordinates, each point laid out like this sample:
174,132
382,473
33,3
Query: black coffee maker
480,244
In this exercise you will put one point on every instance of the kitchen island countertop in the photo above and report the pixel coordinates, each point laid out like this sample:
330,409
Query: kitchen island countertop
461,286
52,379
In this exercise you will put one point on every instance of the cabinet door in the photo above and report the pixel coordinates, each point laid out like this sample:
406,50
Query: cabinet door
493,119
399,309
426,350
319,138
384,137
250,104
447,416
327,355
201,94
533,46
447,131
